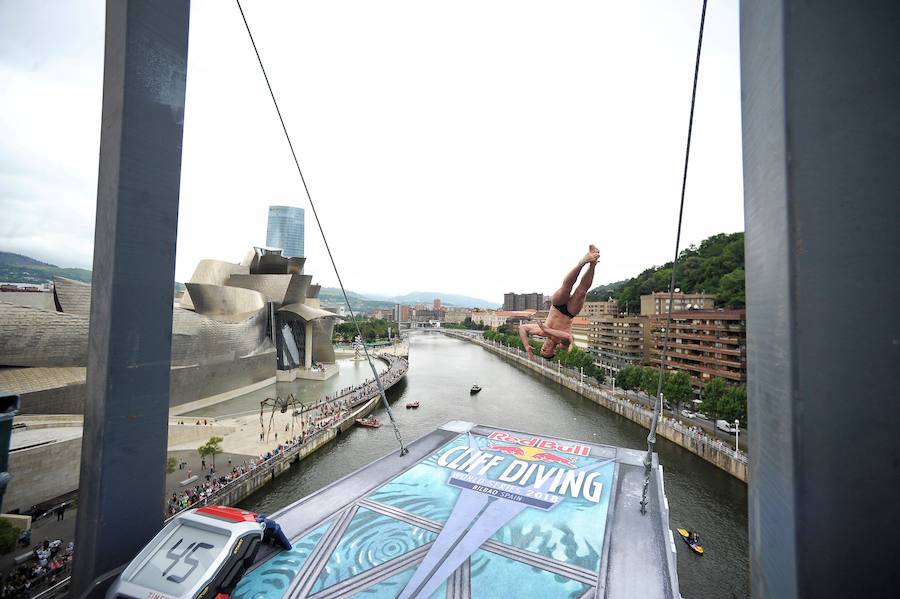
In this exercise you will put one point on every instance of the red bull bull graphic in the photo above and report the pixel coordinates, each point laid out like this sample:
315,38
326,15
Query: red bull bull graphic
552,458
507,449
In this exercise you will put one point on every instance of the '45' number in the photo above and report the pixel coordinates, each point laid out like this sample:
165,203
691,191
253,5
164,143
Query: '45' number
187,556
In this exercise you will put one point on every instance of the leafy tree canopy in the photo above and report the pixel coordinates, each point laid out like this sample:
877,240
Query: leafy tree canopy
711,395
717,266
211,448
677,387
373,329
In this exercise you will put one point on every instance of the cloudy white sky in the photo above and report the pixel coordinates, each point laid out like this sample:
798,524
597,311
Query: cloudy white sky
470,147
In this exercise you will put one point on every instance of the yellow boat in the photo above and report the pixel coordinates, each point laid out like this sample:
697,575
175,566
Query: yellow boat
693,543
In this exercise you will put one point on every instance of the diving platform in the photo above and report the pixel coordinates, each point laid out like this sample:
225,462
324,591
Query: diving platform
478,511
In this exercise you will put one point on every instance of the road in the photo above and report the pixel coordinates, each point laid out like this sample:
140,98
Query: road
708,426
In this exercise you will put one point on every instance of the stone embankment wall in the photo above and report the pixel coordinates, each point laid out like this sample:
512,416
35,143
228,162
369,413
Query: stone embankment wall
45,471
711,450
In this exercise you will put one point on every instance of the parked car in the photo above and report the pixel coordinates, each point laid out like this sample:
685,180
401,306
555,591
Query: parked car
724,425
667,406
701,415
687,413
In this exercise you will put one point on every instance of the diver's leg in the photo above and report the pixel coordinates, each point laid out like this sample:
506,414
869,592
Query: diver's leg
576,302
561,296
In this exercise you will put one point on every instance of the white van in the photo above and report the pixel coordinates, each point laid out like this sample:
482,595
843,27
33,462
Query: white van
724,425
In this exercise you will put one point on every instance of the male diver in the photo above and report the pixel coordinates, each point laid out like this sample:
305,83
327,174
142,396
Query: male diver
565,306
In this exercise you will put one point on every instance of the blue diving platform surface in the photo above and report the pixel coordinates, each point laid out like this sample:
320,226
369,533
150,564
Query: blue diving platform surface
477,511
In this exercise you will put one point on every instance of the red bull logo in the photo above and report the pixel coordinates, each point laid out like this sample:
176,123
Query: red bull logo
532,454
539,443
552,458
507,449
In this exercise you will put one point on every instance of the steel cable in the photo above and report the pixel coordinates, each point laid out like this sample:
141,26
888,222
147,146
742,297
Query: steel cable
403,449
657,404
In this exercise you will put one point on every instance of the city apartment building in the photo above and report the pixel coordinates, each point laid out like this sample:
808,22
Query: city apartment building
609,307
401,313
581,328
455,315
617,341
705,344
658,302
496,318
522,301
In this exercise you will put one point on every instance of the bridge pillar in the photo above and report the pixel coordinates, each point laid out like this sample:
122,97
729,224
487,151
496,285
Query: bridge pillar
820,86
123,458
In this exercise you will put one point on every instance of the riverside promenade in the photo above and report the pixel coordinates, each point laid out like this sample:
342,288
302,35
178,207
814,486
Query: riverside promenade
331,416
710,449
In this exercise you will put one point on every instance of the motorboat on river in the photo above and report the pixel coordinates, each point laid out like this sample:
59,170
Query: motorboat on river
475,389
368,422
413,405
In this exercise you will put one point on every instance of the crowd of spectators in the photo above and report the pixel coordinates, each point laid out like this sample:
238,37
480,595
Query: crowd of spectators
49,561
314,418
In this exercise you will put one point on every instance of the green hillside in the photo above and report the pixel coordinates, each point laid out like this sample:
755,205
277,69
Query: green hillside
333,296
717,266
16,268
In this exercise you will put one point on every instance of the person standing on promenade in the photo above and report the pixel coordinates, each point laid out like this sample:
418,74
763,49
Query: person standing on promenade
565,306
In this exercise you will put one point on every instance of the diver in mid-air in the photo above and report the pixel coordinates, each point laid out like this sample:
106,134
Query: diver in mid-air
565,306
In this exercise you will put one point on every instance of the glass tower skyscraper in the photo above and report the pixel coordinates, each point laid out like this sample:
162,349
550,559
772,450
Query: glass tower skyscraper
285,230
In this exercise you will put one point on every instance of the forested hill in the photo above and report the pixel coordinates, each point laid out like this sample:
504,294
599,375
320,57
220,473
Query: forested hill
16,268
717,266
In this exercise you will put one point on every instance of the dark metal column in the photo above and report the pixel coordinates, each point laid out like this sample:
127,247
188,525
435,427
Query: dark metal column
821,127
120,505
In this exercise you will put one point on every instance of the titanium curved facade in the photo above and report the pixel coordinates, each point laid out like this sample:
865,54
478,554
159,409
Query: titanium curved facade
285,230
222,332
223,303
34,337
72,297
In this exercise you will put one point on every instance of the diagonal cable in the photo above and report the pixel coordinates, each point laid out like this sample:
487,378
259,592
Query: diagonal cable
657,403
403,449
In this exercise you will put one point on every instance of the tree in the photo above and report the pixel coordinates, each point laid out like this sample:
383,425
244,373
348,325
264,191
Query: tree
711,395
9,535
733,405
677,387
649,381
212,447
629,378
171,464
716,266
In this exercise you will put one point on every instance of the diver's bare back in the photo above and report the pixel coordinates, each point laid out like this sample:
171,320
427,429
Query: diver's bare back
557,320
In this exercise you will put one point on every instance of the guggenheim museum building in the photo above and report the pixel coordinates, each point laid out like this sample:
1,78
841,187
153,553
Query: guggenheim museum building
236,328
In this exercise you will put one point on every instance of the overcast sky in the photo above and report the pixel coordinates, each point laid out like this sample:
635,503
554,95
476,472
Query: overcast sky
470,147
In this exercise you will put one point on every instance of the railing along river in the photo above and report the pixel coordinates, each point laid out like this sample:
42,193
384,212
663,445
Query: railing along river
691,438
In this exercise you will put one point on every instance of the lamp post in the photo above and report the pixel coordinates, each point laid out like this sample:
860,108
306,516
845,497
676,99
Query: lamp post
737,432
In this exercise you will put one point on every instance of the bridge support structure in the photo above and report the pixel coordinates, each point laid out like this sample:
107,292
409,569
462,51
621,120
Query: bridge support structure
123,459
821,135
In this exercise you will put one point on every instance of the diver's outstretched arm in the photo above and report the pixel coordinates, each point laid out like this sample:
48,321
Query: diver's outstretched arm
561,337
524,331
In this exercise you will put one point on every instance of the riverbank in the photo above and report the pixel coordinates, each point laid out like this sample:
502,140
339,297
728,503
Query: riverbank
712,450
321,423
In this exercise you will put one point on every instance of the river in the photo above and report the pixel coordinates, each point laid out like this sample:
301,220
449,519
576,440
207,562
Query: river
701,497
